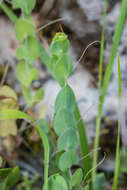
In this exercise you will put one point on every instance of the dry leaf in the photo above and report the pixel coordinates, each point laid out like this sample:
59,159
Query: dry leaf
8,99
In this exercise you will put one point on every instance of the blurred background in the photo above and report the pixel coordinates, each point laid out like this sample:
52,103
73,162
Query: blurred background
82,22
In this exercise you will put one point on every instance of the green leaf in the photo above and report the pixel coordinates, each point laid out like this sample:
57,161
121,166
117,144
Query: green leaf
68,159
29,50
60,62
64,120
13,177
26,73
44,125
60,44
62,69
99,183
57,182
65,99
23,29
13,114
67,140
26,6
38,96
76,178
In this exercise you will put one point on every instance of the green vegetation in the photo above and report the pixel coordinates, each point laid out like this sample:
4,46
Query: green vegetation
68,124
116,39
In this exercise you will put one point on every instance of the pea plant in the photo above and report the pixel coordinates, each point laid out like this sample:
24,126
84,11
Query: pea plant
68,124
67,120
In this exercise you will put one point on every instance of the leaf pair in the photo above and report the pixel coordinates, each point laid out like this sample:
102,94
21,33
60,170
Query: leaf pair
24,27
28,50
25,33
60,62
64,108
26,73
58,182
65,128
27,53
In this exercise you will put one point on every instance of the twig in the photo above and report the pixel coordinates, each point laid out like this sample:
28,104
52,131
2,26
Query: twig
50,23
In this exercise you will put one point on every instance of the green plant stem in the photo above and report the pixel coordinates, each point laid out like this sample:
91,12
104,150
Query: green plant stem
83,143
117,163
107,76
46,156
9,12
96,142
102,46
